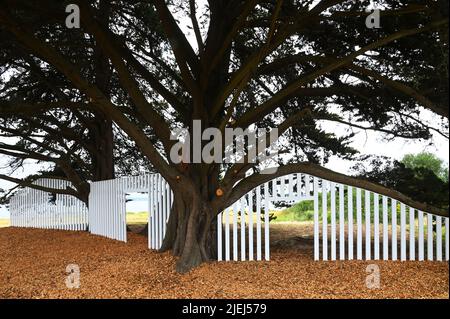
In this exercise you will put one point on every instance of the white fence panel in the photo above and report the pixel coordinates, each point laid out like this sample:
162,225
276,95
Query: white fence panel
107,209
244,229
241,227
34,208
160,206
402,229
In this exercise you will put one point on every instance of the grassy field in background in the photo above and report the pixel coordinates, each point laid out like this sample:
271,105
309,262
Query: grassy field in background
4,222
137,218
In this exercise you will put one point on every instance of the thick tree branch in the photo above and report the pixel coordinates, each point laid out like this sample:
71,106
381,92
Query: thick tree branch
26,183
249,183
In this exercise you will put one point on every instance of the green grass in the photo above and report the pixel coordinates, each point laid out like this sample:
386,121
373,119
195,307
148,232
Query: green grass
4,222
137,218
304,211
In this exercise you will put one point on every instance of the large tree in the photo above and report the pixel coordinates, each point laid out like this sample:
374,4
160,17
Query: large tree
291,65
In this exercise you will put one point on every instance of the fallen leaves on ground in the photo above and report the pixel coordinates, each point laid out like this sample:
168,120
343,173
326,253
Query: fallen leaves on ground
33,265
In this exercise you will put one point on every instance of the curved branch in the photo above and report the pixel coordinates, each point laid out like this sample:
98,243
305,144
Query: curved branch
24,183
249,183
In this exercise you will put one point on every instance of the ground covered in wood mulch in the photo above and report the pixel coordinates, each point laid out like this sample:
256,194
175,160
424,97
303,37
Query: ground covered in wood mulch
33,265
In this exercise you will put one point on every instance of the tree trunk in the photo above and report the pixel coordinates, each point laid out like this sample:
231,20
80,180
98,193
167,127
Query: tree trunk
104,158
191,231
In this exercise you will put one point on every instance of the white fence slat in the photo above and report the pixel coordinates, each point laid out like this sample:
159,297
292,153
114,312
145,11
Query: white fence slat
110,213
266,222
316,219
446,239
350,222
430,236
101,213
155,211
402,232
117,212
421,239
438,238
250,226
376,226
164,208
66,213
412,234
219,237
114,209
93,211
258,224
358,225
169,204
109,208
368,227
227,234
341,223
235,232
30,208
62,209
124,215
150,219
394,229
152,211
324,221
160,210
333,220
105,209
243,246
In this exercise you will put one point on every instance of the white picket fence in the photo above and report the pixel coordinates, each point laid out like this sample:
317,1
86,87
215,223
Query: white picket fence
342,222
107,206
107,209
160,203
243,229
374,228
349,223
34,208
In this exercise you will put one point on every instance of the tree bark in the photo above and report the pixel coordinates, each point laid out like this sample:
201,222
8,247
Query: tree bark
191,231
103,159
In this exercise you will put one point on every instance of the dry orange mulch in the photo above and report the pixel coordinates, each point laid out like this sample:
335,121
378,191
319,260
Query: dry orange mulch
33,265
